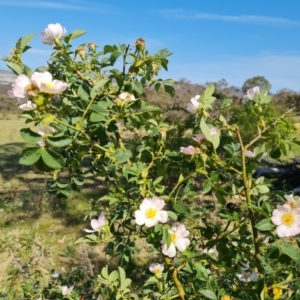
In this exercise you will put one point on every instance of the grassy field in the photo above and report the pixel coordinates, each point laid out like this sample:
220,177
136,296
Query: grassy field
37,232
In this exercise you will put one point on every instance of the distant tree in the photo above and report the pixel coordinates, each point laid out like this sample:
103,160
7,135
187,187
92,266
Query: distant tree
259,81
287,99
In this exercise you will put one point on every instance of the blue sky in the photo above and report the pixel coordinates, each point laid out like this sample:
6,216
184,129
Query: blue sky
210,40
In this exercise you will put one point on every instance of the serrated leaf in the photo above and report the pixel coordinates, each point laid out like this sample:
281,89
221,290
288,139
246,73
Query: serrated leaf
74,35
263,189
30,136
17,69
208,294
265,225
108,49
201,271
98,86
113,276
205,130
26,39
28,72
151,108
170,90
181,208
52,159
172,215
58,141
291,251
29,156
206,186
122,155
137,86
84,92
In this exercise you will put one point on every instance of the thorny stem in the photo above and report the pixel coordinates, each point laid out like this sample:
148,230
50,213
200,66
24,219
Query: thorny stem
247,183
174,272
267,128
67,125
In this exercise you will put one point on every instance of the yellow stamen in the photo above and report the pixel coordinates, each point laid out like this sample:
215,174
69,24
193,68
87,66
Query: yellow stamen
151,213
49,85
173,237
288,219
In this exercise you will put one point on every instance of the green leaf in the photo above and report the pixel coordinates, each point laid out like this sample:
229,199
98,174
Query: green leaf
28,72
114,56
170,90
84,92
151,108
109,49
291,251
205,130
172,215
265,225
208,294
225,103
74,35
263,189
206,186
158,180
201,271
52,159
17,69
58,141
137,86
30,136
26,39
98,86
122,155
181,208
221,198
29,156
166,236
275,152
97,118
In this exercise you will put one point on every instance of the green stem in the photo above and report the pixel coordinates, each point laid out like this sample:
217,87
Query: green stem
67,125
174,274
267,128
247,185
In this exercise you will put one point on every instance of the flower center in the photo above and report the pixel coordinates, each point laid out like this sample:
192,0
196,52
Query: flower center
173,237
49,85
157,271
151,213
288,219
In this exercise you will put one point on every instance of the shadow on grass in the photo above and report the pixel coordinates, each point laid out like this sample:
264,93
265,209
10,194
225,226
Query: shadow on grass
9,161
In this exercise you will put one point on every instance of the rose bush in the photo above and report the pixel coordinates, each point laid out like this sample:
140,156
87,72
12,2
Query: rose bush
79,99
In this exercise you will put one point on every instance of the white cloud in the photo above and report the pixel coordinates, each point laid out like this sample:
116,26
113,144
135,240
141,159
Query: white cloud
282,71
250,19
74,5
40,52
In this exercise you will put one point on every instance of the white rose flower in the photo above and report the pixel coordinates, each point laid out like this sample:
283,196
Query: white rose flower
192,107
96,224
157,269
46,130
28,105
150,212
287,220
248,276
46,84
179,240
253,154
53,32
19,87
190,150
67,290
